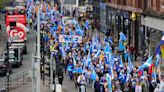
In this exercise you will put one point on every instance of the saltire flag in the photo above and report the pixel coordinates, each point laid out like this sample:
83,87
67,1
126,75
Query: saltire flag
97,39
122,77
86,24
78,70
111,70
93,75
122,36
111,40
130,65
70,68
88,59
94,46
121,46
158,60
109,80
121,63
79,31
148,62
74,61
127,76
85,48
105,39
97,54
107,48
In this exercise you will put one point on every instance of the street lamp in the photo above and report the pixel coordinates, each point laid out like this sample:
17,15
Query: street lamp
7,62
36,65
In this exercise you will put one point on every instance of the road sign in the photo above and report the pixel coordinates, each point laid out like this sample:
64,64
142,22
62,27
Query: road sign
19,30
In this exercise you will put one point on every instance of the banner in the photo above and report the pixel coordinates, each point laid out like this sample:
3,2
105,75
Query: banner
70,39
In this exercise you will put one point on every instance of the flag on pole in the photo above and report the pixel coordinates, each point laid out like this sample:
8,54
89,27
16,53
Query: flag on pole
97,54
158,49
88,59
109,80
121,63
122,36
121,46
93,75
107,48
158,60
130,65
148,62
127,77
74,61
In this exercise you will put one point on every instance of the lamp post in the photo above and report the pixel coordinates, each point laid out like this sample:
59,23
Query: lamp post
7,62
36,65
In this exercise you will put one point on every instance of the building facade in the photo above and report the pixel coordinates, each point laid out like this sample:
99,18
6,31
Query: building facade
125,16
140,20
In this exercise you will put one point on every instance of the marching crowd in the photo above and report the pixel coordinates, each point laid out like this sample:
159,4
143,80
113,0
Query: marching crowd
96,63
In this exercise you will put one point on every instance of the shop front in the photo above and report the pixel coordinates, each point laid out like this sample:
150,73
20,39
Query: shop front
127,22
153,29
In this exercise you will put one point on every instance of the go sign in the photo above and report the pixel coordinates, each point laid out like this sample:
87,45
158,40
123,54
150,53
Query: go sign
19,30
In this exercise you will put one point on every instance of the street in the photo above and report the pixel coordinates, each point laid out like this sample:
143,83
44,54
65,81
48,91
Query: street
26,58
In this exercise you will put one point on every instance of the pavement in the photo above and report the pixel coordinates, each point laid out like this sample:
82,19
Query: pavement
68,86
3,34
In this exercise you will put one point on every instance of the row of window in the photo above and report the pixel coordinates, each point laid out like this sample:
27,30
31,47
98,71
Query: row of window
142,4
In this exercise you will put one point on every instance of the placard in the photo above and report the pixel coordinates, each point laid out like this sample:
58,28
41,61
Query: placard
70,39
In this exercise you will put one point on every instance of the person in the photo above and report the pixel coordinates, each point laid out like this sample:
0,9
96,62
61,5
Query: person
81,82
30,23
138,87
60,76
0,27
97,85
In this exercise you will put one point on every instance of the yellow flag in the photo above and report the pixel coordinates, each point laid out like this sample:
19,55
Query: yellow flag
162,50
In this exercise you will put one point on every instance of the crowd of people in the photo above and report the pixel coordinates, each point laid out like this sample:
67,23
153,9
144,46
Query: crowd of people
96,63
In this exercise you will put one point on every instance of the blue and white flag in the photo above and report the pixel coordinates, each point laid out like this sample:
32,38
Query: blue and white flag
148,62
130,65
63,52
109,80
86,24
122,37
88,59
121,63
97,54
127,77
79,70
158,60
107,49
74,61
93,75
121,46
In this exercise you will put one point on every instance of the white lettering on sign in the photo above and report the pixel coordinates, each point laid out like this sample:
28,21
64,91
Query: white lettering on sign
70,39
